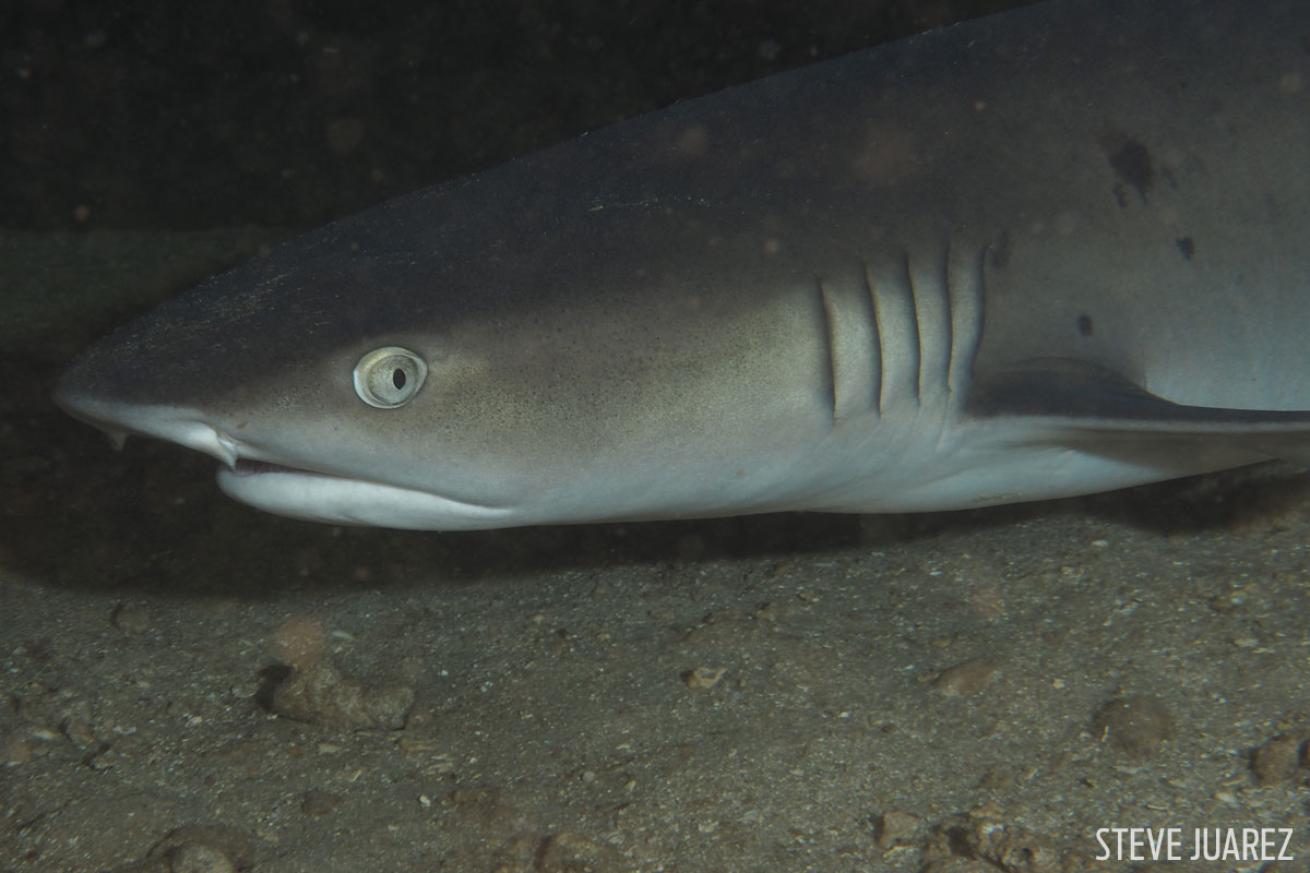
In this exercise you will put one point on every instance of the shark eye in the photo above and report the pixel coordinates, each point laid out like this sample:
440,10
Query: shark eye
389,377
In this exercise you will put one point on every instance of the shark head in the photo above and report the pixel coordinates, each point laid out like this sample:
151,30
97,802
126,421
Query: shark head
438,362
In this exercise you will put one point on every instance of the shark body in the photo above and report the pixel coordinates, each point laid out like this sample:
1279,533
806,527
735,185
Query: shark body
1054,251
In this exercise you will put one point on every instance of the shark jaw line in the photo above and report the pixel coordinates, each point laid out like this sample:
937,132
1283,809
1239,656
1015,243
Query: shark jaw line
257,477
336,499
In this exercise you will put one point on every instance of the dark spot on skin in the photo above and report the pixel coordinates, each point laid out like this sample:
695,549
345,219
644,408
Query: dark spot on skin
1084,325
1187,247
999,251
1132,163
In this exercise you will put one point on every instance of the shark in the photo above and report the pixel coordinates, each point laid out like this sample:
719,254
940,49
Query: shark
1054,251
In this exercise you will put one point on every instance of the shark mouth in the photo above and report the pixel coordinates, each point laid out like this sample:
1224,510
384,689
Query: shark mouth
251,476
252,467
327,497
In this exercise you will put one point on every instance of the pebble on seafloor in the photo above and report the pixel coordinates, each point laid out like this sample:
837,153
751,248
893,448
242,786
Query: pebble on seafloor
1136,725
704,677
1280,760
321,694
966,679
198,849
131,618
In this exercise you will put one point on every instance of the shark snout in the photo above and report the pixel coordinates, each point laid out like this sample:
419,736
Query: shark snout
118,419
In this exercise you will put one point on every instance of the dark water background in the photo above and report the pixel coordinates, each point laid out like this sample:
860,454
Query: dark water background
287,113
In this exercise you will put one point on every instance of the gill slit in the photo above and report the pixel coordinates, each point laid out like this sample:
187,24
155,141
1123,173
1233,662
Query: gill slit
967,293
875,337
907,277
826,306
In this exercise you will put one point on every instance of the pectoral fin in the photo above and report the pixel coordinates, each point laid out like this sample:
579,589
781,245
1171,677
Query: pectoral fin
1089,406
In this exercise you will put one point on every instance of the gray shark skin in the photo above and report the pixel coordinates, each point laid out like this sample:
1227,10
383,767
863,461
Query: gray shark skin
1059,250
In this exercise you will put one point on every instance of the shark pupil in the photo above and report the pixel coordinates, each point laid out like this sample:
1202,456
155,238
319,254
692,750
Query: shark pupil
398,378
